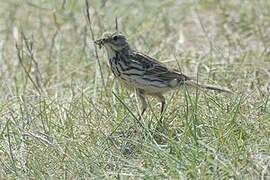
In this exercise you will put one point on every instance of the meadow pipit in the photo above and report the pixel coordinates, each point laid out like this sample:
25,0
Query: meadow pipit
143,73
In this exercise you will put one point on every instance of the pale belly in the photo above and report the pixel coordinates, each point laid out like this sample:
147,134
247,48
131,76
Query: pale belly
149,87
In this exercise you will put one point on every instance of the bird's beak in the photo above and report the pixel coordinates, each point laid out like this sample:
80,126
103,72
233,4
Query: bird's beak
100,42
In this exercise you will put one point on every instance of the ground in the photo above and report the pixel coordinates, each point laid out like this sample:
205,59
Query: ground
63,116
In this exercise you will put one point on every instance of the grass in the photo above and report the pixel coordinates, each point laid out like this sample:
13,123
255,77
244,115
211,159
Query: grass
62,115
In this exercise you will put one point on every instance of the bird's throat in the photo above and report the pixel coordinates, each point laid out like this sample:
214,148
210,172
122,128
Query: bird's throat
110,52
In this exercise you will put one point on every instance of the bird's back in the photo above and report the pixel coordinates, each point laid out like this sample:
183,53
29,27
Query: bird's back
143,72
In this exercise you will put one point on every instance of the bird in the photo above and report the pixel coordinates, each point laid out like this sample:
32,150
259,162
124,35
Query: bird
145,74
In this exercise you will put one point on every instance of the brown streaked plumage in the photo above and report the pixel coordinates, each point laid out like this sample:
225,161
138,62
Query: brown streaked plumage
143,73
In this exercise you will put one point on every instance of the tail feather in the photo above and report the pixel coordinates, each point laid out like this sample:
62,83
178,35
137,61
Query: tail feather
206,86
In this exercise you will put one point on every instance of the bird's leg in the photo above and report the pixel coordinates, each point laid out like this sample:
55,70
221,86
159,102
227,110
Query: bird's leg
141,96
161,98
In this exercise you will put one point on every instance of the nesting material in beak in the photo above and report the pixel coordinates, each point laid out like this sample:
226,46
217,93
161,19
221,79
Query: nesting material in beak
99,42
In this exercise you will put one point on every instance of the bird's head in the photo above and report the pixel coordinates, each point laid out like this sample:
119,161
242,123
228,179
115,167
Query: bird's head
113,41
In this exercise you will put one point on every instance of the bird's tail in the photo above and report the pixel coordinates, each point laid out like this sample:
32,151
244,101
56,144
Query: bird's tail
195,84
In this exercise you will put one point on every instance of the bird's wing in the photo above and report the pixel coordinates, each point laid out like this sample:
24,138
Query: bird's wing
155,69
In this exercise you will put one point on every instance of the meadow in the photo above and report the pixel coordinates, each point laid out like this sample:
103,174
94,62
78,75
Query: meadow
63,115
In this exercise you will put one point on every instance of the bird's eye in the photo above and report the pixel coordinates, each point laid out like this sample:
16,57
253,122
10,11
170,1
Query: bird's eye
115,38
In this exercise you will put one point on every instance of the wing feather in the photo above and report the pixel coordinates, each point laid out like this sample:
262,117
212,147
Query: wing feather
155,69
